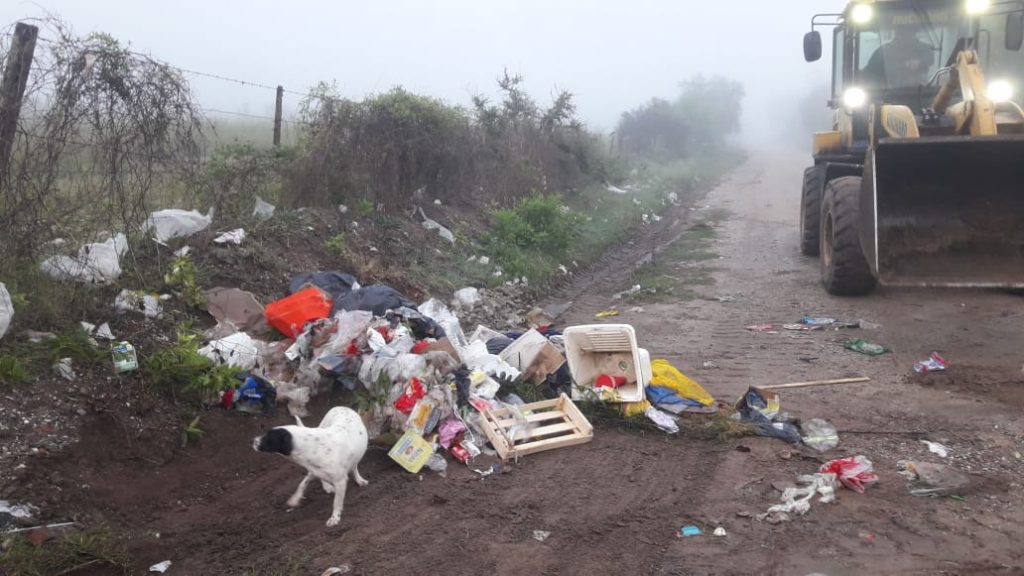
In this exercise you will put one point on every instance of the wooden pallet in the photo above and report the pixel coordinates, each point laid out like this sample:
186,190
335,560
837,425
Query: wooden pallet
550,424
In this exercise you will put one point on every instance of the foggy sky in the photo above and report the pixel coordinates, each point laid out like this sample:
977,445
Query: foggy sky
613,54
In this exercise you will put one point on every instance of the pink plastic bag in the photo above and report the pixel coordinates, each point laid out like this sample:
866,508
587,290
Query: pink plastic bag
855,473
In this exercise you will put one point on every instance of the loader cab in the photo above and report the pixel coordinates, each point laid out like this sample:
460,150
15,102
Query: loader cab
894,51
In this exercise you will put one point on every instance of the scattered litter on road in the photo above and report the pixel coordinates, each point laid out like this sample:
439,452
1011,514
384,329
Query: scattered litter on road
819,434
687,531
766,328
811,383
867,348
541,535
335,570
160,567
615,189
856,472
936,448
933,479
720,532
934,363
236,237
607,313
797,499
6,310
631,291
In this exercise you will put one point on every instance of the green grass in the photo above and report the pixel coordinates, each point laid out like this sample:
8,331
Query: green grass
679,269
93,551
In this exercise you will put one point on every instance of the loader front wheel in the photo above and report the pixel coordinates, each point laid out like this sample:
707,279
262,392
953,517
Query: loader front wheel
844,269
810,211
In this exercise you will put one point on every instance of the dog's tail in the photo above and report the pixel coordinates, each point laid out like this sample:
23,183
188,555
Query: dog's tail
298,422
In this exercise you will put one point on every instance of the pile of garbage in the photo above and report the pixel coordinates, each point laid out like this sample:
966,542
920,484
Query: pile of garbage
419,377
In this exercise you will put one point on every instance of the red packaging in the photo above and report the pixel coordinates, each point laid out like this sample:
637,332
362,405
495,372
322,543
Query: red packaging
413,393
290,315
420,347
459,453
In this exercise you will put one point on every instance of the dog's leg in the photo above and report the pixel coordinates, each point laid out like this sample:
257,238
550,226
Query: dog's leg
296,498
358,478
298,422
339,501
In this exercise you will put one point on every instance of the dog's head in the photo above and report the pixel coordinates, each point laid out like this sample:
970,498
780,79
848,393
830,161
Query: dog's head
277,440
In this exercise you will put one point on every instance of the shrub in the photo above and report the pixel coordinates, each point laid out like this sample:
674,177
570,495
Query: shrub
528,239
182,370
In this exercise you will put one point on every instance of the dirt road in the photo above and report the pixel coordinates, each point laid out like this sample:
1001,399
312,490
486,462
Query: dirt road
614,506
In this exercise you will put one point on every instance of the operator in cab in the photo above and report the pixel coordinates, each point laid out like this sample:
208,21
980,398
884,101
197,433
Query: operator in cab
903,61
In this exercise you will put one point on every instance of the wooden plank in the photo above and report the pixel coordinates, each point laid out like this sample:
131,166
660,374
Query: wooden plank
543,404
546,430
816,383
573,413
535,417
551,443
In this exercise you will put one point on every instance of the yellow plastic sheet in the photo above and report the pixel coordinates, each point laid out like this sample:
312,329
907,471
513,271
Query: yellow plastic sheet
666,375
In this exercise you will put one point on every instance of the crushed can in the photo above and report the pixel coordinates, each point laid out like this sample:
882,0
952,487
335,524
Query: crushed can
125,359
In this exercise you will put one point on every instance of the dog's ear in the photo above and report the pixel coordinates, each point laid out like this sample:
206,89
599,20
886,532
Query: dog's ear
277,440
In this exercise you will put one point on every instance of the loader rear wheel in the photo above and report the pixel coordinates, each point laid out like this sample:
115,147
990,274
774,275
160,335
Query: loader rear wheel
844,269
810,211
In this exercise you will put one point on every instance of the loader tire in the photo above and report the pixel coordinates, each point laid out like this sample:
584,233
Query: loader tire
810,211
844,269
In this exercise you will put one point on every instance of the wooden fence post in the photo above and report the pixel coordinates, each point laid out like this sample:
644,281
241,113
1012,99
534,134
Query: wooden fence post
277,115
12,89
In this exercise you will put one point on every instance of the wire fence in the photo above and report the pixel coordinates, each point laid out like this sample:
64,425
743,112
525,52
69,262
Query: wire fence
217,114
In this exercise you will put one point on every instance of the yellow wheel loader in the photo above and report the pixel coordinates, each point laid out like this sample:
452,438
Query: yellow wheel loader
921,180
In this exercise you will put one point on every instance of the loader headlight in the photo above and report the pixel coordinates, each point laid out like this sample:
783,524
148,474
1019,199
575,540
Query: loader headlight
978,6
854,97
862,13
1000,91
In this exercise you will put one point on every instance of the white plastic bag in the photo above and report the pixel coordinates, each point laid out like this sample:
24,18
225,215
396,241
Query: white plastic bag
97,263
236,237
263,210
238,350
441,230
176,223
138,301
476,357
6,310
466,298
440,313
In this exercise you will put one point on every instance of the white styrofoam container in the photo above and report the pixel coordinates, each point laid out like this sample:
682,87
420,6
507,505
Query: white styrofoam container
596,349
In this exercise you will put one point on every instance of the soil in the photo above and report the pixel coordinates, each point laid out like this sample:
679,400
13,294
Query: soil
616,505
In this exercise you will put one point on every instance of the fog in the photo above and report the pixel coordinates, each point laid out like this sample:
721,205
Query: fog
613,54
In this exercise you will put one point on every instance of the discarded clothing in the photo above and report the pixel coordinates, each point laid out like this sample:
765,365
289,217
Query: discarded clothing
337,284
375,298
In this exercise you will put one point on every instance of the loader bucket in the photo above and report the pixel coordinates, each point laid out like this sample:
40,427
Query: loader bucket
949,211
